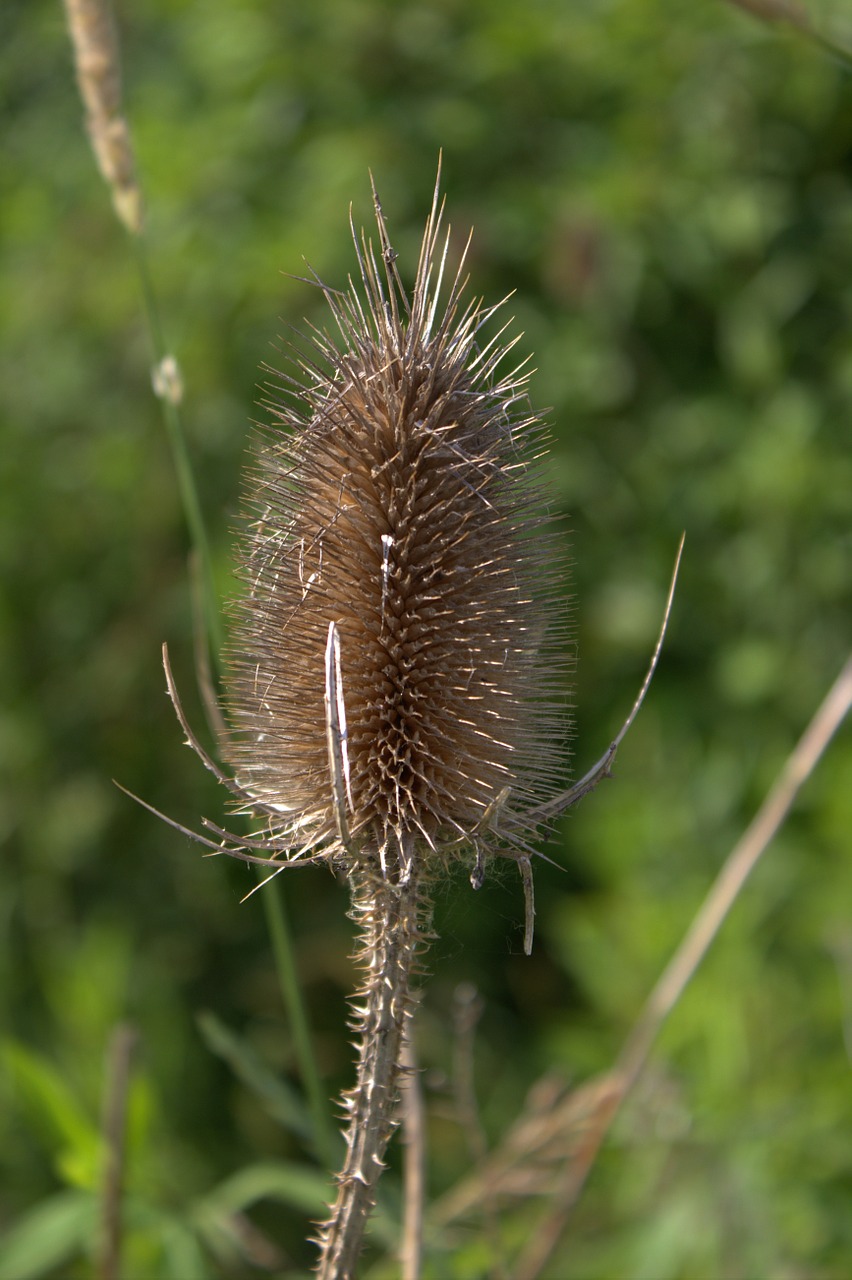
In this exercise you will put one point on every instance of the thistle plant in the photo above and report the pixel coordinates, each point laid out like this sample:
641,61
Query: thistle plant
397,668
397,671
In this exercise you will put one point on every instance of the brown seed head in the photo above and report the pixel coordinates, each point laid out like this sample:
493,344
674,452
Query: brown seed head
399,658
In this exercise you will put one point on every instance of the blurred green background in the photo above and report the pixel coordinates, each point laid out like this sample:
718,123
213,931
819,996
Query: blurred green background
667,187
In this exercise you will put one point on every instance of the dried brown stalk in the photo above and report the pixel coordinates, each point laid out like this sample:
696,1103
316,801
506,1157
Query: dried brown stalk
468,1007
739,864
119,1058
413,1122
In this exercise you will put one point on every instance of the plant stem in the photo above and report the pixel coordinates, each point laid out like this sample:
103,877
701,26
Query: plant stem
282,947
180,454
414,1163
119,1057
391,942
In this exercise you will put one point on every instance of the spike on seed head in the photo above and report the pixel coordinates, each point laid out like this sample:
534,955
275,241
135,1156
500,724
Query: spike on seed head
399,658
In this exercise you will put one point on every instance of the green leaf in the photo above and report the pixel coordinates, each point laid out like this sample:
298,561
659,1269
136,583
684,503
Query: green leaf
220,1217
293,1184
279,1098
55,1112
52,1233
161,1243
182,1253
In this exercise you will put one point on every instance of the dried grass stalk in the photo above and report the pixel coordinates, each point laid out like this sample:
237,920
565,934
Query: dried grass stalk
98,66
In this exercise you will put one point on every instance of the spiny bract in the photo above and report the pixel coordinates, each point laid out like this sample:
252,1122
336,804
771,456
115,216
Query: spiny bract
399,660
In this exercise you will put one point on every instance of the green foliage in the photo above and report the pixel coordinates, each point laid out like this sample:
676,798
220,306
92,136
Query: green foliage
666,189
281,1100
56,1230
51,1109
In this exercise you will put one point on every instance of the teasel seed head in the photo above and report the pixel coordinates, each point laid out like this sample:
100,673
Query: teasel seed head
399,661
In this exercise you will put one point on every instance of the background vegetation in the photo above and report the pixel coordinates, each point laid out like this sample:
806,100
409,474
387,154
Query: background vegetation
667,187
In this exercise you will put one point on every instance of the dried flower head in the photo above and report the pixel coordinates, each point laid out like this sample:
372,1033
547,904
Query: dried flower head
398,665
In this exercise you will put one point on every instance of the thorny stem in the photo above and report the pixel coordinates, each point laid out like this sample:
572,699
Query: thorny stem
390,918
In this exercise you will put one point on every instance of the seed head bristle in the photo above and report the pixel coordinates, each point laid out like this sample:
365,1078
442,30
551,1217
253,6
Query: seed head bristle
400,656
